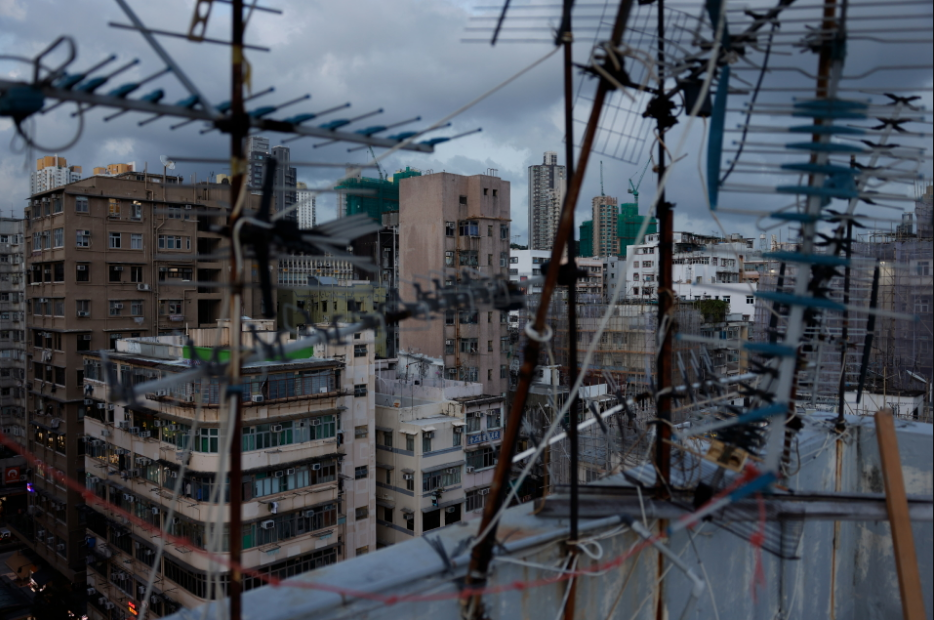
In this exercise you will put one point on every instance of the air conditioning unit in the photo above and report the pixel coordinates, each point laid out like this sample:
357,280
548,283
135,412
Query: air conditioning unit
50,540
40,533
469,469
450,509
105,433
145,434
412,477
188,207
110,406
124,425
268,525
280,474
257,398
118,267
273,507
100,405
91,591
86,233
277,428
309,514
315,422
142,287
82,267
122,451
157,423
134,430
88,401
109,605
315,466
323,390
485,491
428,434
86,336
162,392
83,314
290,471
155,510
173,474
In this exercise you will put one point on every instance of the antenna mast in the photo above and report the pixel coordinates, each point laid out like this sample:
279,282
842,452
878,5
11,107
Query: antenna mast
601,179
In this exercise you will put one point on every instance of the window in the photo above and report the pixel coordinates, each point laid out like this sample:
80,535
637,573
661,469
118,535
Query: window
116,273
426,442
136,241
458,436
82,272
513,260
362,512
449,259
502,371
115,240
489,229
207,440
505,344
174,242
359,350
489,259
136,273
171,306
481,459
443,478
83,307
463,201
473,422
136,210
82,239
450,229
924,268
58,272
410,443
750,299
476,499
58,238
116,308
113,208
468,345
136,307
469,258
359,389
469,228
503,259
449,319
449,346
503,228
81,204
493,419
726,298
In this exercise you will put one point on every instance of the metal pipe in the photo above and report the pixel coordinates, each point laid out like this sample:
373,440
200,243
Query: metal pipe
483,551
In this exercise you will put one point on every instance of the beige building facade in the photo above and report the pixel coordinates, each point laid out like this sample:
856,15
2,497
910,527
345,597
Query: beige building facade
447,223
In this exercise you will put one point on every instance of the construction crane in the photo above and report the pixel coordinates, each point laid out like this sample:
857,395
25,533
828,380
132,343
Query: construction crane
601,179
634,189
379,168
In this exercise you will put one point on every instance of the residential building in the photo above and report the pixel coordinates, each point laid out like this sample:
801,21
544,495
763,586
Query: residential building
52,171
605,224
286,180
629,224
525,265
449,222
547,186
111,257
308,466
704,267
375,197
111,170
296,269
592,283
307,214
436,442
12,365
325,300
585,247
256,150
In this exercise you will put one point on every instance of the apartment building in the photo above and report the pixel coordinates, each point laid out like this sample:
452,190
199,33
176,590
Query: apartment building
547,186
308,467
704,267
448,222
436,446
525,265
12,364
109,258
605,225
52,171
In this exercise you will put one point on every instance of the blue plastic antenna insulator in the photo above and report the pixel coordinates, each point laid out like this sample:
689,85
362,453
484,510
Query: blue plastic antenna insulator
91,85
153,97
821,168
188,102
831,104
124,90
825,147
793,300
300,118
369,131
825,192
405,135
770,349
434,141
260,112
68,81
332,125
827,130
838,114
762,413
808,259
758,485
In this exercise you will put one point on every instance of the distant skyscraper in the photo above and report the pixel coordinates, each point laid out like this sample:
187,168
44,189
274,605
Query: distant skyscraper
605,216
307,215
52,171
286,175
547,185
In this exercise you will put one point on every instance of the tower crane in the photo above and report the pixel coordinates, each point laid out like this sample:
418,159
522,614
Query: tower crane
634,189
379,168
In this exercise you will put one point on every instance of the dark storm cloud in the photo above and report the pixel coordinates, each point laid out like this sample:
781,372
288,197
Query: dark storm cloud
403,56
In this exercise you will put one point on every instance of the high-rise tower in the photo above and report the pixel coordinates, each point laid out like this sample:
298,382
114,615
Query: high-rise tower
547,185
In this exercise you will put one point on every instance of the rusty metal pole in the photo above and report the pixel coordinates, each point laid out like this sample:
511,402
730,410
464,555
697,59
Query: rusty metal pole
665,289
482,553
238,131
567,39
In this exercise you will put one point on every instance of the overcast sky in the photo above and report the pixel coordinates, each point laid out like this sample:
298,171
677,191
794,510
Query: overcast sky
406,56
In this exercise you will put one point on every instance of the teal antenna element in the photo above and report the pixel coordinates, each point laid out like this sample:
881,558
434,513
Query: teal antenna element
715,141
